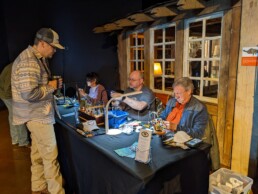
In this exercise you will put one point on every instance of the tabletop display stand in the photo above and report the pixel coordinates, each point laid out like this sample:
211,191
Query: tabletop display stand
93,113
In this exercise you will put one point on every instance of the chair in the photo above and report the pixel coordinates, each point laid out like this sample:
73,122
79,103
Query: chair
159,107
210,137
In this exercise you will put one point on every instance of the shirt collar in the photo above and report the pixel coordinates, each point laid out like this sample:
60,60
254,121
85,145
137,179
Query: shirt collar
35,52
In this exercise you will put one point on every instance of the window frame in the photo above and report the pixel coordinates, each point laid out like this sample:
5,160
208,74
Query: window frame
163,60
136,47
186,58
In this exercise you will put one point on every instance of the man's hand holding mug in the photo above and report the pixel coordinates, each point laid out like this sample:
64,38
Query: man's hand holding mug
56,82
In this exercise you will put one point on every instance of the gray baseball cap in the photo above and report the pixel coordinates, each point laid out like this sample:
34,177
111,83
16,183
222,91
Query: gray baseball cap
50,36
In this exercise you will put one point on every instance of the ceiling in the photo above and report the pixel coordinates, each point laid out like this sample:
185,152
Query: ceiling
152,14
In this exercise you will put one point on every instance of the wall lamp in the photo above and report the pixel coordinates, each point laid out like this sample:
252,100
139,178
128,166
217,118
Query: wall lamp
157,69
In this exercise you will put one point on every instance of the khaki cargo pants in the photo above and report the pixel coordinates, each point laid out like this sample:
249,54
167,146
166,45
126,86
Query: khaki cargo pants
45,166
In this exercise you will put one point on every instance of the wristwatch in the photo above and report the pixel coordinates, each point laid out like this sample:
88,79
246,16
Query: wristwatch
123,98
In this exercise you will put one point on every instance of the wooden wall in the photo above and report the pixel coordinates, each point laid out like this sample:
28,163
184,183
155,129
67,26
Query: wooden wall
244,105
227,82
233,115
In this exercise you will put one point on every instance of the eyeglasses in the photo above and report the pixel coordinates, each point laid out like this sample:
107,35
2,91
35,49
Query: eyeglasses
54,48
179,93
133,80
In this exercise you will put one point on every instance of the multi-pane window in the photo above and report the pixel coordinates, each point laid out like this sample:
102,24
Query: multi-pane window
136,59
164,57
202,55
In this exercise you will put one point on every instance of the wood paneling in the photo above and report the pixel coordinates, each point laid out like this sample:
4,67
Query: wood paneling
213,111
223,87
122,59
179,48
244,106
190,4
163,11
125,22
232,78
147,60
140,17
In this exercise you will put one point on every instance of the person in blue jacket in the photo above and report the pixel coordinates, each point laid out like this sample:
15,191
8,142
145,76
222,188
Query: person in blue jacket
184,112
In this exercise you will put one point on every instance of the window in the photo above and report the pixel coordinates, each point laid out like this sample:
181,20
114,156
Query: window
163,43
136,56
202,55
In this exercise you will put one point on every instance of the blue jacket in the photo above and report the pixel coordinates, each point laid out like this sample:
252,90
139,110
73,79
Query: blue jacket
194,118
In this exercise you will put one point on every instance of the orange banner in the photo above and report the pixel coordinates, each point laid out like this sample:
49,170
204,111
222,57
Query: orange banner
249,61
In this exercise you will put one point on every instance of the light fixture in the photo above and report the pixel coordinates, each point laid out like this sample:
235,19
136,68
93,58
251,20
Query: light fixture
157,69
115,131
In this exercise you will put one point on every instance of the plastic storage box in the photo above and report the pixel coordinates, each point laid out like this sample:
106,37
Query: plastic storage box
116,118
225,181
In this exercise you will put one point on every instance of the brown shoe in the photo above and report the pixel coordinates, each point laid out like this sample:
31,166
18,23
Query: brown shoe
36,192
25,146
45,191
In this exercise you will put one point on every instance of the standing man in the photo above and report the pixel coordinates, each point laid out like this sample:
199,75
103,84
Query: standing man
19,133
33,104
138,106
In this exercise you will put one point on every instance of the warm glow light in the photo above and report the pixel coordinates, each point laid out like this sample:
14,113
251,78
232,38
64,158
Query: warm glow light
157,69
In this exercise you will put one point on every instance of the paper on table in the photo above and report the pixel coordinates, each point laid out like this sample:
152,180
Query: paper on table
127,152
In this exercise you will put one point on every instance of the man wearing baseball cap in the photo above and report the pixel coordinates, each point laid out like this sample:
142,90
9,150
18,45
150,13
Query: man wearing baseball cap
33,104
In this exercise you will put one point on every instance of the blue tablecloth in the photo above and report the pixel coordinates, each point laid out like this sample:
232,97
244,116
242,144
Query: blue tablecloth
90,165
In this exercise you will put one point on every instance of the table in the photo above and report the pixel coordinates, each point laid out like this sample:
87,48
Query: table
90,165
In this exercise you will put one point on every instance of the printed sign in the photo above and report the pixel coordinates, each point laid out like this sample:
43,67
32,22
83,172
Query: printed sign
143,148
250,56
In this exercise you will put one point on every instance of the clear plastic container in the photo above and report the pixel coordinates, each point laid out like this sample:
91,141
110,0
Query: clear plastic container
225,181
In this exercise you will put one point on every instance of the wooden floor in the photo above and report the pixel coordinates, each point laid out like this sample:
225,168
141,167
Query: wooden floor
15,163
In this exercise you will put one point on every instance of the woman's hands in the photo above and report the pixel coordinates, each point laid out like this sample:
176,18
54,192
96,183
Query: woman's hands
82,92
170,125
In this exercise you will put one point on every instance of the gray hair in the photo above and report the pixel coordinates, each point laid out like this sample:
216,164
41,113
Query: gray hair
185,82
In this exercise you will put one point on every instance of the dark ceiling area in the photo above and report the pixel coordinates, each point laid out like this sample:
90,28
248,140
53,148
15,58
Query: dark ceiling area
149,3
73,21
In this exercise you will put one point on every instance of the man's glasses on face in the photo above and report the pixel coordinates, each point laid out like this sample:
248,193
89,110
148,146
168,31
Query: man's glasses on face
133,80
54,48
179,93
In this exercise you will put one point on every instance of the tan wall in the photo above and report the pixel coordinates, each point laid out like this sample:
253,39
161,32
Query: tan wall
245,90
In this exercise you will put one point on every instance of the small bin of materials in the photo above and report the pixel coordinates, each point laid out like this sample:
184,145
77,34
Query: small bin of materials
225,181
116,118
